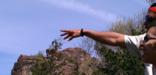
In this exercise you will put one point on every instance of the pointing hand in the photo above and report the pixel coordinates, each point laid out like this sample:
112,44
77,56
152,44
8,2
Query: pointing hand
70,34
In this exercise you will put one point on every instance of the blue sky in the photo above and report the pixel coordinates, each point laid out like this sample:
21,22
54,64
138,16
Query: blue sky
29,26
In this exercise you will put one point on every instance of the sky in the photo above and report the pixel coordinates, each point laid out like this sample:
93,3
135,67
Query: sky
29,26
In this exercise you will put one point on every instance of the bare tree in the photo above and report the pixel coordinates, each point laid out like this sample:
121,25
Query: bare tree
87,44
151,1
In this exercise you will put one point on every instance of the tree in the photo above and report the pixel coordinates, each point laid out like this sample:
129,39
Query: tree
56,44
150,1
87,44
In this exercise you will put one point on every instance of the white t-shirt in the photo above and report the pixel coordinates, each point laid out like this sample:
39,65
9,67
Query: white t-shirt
132,44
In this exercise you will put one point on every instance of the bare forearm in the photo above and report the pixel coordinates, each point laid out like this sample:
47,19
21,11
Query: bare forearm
109,38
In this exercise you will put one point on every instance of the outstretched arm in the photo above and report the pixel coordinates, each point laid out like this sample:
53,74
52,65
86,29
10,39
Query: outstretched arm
110,38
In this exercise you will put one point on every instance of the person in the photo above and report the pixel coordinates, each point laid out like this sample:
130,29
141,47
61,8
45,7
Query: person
143,45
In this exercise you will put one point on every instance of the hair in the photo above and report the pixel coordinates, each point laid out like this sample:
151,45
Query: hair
153,5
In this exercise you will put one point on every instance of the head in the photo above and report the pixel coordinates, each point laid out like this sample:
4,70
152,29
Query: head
150,19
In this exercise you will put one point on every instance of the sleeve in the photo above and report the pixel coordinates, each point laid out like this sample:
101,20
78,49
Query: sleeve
132,44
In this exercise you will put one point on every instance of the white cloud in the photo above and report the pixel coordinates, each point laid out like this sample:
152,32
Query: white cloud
84,8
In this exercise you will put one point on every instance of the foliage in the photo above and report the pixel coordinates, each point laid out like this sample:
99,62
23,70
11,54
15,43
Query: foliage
56,44
120,63
41,66
130,26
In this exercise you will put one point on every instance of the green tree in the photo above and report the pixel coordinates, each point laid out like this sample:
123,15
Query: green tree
41,66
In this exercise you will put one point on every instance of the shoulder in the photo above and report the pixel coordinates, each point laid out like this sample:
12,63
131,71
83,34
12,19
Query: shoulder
134,38
132,43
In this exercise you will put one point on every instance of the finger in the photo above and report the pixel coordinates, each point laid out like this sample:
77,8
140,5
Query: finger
71,38
63,34
65,30
67,37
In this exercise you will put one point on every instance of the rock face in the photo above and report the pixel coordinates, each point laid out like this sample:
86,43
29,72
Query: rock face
70,61
23,65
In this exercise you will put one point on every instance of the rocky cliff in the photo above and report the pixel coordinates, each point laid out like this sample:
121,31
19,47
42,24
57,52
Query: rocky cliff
70,61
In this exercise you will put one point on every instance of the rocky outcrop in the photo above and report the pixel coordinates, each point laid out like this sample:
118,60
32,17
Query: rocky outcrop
70,61
23,65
